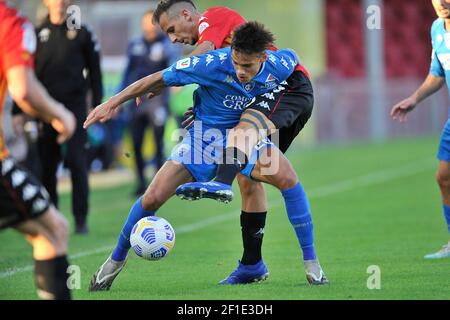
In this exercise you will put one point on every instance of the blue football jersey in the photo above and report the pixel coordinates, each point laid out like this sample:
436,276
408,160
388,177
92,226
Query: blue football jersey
440,60
221,98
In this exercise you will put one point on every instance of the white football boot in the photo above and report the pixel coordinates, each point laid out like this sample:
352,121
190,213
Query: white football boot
314,273
441,254
105,275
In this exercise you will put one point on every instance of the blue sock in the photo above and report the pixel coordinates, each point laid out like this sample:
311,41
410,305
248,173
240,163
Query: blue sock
447,216
299,214
123,245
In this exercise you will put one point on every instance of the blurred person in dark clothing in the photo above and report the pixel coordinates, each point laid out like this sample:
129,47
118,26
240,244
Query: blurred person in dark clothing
68,65
24,204
147,54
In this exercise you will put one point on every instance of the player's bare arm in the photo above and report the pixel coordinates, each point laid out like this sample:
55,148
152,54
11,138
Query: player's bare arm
152,85
202,48
31,96
431,85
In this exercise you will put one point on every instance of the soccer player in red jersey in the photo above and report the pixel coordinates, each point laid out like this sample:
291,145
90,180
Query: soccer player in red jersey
24,203
282,114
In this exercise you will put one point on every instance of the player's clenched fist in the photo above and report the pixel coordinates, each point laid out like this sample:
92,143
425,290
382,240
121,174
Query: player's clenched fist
401,109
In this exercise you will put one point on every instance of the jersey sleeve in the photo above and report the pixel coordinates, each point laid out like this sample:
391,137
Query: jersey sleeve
436,67
214,33
218,27
285,63
188,71
19,44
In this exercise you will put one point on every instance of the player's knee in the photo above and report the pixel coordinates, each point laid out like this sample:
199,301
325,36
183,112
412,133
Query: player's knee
286,180
443,179
248,187
152,200
63,231
59,231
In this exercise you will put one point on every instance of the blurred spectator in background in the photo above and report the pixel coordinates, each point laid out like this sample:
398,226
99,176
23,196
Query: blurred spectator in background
21,134
24,204
147,54
68,64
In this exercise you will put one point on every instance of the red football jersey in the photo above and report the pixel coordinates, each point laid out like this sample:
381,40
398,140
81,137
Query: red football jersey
17,46
217,26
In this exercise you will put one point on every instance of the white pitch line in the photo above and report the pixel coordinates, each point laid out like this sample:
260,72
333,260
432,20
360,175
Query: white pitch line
370,179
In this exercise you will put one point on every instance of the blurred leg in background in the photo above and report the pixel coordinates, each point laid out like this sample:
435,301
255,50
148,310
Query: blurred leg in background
147,115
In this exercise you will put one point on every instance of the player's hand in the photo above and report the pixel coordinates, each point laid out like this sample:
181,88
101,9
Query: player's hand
190,118
102,113
65,125
401,109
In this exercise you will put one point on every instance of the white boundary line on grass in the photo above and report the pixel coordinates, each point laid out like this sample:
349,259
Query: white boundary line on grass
370,179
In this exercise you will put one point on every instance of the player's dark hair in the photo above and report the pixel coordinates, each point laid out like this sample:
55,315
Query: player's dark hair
252,37
165,5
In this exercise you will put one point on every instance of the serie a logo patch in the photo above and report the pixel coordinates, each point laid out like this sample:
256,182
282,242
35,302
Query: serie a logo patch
183,64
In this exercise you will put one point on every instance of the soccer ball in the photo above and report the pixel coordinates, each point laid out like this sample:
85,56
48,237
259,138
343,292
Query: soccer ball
152,238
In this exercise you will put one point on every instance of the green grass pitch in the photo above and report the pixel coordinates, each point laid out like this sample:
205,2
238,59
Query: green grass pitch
372,204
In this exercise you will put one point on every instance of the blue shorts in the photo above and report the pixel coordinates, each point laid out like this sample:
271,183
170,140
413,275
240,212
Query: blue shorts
444,146
201,150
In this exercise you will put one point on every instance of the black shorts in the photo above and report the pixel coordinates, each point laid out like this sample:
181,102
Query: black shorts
289,107
22,197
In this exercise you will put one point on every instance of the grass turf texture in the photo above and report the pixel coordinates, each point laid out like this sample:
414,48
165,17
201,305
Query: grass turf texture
389,216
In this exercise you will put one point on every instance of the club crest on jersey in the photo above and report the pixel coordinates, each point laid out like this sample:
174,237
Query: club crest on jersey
202,27
44,35
271,82
183,64
249,86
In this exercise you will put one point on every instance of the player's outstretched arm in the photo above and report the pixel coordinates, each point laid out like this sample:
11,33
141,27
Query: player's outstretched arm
431,85
152,85
32,98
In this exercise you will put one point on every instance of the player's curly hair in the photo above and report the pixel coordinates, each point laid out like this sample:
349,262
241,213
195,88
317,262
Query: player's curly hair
252,37
165,5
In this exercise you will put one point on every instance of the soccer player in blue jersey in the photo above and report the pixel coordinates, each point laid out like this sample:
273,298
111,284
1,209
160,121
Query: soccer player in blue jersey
229,78
438,76
283,112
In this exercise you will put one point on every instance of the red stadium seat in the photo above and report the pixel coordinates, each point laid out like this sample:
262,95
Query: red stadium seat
406,38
